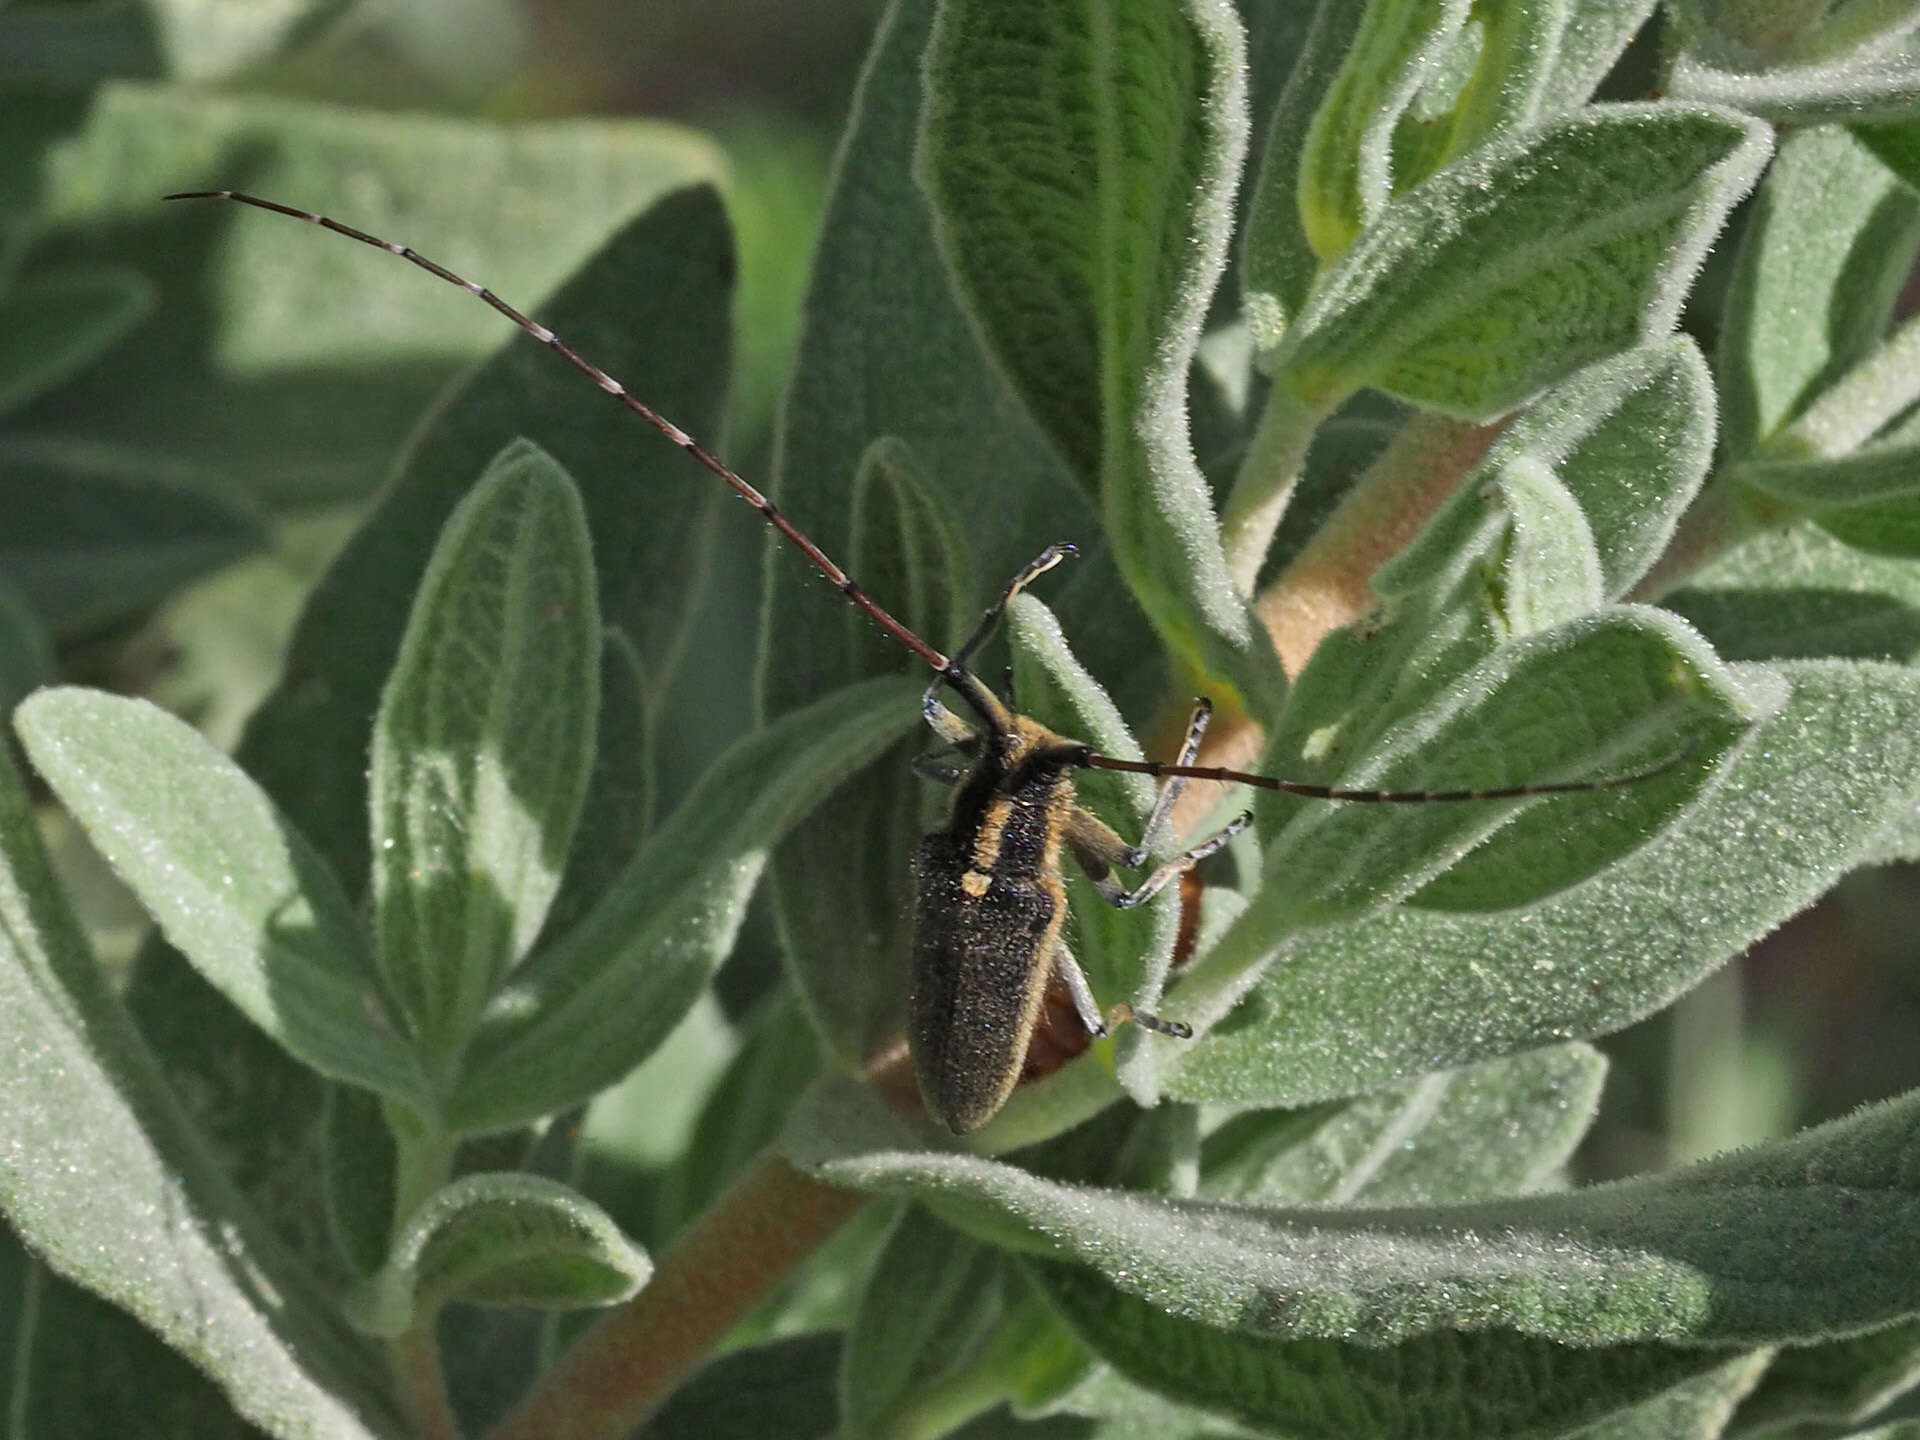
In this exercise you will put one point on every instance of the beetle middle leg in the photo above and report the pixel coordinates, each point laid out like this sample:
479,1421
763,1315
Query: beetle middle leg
1088,1009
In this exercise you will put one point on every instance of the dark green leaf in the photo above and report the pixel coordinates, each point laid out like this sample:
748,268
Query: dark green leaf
1608,212
1841,1383
501,1239
929,1300
359,1165
781,1389
1697,1409
115,1190
55,324
26,650
1081,161
1755,1247
483,742
581,1013
97,534
909,546
234,886
1278,262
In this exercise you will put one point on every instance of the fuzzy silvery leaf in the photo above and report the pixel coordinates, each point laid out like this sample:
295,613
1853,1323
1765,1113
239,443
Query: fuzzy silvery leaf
1823,257
105,1177
501,1239
234,886
1840,1383
585,1010
1861,64
1795,806
483,742
1608,211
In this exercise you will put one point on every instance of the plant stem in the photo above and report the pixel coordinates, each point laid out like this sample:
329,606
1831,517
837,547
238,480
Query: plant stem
415,1357
1721,516
769,1220
1264,485
1329,582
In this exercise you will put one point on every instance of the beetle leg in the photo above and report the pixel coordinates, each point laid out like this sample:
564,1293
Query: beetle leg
947,725
1098,850
1088,1009
1170,790
1075,979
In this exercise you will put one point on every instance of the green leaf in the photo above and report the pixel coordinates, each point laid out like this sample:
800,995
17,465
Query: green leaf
784,1388
1346,175
1612,694
483,742
360,1166
1125,953
1823,257
1872,476
1654,1259
55,324
582,1012
1445,1386
929,1300
75,46
1697,1409
204,43
1791,810
26,650
1631,439
909,546
234,886
96,534
1896,146
1278,261
1800,594
651,307
1597,33
269,333
1521,262
1502,1127
1813,77
109,1183
501,1239
1841,1383
1081,162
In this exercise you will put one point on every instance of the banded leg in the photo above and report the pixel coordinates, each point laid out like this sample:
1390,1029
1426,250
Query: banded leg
1088,1009
937,715
1171,788
1098,850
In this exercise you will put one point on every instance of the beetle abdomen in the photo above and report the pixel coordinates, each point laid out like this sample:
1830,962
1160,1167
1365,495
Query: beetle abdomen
982,952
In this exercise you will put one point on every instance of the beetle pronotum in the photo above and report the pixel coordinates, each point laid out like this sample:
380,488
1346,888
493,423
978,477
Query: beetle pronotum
990,898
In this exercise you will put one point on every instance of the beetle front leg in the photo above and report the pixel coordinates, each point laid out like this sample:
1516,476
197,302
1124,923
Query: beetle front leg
1098,850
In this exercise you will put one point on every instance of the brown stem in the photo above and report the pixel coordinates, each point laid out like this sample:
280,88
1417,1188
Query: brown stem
771,1218
1721,516
416,1360
1328,584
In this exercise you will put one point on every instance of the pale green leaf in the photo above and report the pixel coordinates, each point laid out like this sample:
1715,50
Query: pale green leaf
1871,476
110,1184
1501,1127
1697,1409
234,886
1824,254
501,1239
483,742
1521,262
1815,77
581,1013
1386,1000
1659,1258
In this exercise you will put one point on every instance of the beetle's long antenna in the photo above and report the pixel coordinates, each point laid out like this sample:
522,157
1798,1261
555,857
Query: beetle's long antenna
1089,760
837,577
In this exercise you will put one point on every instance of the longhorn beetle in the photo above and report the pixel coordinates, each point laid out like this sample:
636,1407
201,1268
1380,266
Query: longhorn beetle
990,898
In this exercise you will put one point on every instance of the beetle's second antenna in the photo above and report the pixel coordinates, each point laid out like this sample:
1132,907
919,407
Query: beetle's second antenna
837,577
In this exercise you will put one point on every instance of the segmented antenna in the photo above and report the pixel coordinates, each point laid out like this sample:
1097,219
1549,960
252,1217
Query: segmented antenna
952,670
836,577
